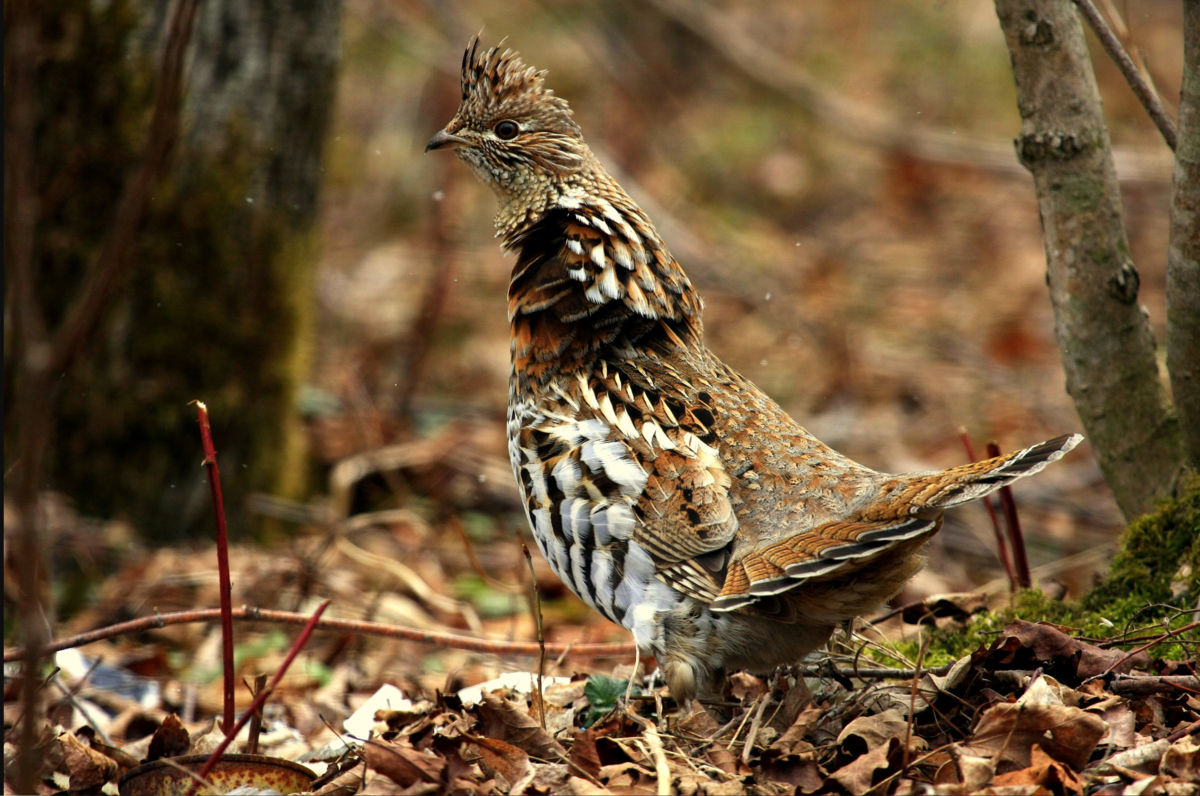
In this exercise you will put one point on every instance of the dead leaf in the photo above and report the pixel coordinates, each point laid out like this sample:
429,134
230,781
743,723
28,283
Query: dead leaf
584,755
89,769
1183,760
804,724
171,739
793,698
402,763
861,774
1030,645
866,733
1007,732
1045,772
697,722
629,778
746,687
506,761
507,721
957,605
720,756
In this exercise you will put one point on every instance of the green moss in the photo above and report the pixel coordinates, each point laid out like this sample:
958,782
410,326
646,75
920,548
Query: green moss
1155,574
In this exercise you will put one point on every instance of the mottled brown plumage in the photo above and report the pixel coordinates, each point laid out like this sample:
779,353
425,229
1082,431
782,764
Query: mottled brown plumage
665,489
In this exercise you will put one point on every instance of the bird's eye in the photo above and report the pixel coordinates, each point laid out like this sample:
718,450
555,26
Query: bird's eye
507,131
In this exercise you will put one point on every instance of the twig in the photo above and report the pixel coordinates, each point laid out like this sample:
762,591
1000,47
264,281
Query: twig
1144,686
894,674
661,769
537,615
1133,77
476,564
1015,537
1144,647
755,723
225,586
255,706
245,614
1001,547
912,700
260,682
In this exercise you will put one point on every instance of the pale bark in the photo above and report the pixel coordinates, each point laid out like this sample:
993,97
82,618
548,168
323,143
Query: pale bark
1107,346
1183,257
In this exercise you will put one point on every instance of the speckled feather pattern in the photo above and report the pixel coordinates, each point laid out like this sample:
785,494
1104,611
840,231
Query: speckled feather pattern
666,490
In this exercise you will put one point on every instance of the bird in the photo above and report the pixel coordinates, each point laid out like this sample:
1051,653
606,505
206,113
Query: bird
664,488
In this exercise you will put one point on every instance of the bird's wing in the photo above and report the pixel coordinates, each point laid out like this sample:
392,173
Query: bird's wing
620,466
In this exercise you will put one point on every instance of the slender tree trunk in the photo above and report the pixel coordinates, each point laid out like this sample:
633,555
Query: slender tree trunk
1107,346
1183,257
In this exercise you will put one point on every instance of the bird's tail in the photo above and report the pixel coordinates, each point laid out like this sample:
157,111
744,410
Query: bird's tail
957,485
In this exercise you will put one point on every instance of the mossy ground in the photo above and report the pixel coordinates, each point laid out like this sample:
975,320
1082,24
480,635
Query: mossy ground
1153,582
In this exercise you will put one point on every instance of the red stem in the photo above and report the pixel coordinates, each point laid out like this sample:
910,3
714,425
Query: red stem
1009,504
226,590
1001,547
261,698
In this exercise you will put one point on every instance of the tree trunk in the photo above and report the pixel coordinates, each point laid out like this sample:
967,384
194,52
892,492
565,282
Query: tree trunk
218,302
1107,347
1183,256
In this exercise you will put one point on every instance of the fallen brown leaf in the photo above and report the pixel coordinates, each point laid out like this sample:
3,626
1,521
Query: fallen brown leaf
400,762
584,755
88,769
1043,771
507,761
1183,760
862,773
509,722
1006,732
171,739
1030,645
866,733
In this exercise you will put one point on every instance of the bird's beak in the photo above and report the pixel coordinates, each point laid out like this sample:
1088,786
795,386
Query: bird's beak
444,140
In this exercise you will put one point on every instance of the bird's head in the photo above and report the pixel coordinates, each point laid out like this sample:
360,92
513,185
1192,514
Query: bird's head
514,133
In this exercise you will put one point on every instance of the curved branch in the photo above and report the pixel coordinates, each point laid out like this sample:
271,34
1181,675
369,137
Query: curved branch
245,614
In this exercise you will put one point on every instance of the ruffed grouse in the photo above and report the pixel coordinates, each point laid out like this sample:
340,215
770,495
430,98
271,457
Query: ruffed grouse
664,488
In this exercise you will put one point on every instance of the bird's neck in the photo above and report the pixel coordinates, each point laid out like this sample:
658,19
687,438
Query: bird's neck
592,275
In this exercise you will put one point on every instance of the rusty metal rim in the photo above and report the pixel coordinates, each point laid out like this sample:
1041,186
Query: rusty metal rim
199,760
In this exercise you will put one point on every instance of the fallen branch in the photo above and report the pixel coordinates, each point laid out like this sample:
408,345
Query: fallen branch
1127,685
245,614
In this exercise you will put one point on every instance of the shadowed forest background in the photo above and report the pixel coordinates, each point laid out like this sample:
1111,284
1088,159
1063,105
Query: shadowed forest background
337,299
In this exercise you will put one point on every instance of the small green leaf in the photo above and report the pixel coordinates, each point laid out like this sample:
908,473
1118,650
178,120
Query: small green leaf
602,693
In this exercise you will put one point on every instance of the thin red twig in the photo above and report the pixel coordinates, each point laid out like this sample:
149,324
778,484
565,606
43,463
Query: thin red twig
261,698
1001,547
1015,537
245,614
226,588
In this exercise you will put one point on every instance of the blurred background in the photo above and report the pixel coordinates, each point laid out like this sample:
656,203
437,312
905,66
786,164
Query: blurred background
837,179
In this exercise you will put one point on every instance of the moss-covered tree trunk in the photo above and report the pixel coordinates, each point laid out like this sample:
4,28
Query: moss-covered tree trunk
1107,346
217,305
